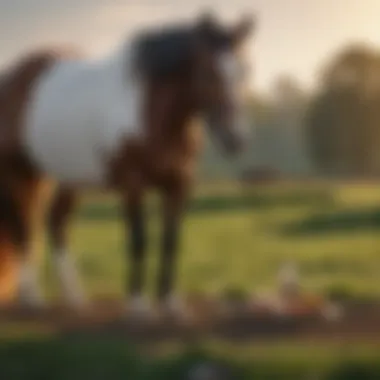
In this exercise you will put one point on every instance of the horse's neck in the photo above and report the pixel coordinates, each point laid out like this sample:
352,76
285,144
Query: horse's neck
175,110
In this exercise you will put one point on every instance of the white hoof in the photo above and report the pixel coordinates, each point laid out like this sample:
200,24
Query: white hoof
29,293
70,284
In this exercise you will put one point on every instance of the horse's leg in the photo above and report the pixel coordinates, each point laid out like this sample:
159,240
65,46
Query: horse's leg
174,201
13,242
133,214
61,209
8,273
25,215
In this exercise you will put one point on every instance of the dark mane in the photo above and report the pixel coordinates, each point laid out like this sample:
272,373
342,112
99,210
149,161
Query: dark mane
169,51
165,52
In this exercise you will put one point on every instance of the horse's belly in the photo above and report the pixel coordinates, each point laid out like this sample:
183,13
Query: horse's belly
66,159
64,142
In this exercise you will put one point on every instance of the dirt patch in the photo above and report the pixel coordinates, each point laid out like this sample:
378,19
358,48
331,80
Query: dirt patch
210,319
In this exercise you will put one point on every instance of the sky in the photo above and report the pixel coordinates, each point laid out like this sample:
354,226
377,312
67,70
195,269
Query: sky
293,36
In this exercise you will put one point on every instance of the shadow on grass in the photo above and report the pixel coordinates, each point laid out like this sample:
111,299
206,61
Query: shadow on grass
222,204
62,359
113,360
345,221
110,359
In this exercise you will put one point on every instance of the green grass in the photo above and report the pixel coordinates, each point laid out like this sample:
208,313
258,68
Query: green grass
234,237
111,359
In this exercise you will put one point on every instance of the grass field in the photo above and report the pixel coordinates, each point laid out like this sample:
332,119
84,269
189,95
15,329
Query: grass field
233,237
237,237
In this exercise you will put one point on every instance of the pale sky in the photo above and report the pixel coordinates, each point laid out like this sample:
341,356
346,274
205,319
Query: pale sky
294,36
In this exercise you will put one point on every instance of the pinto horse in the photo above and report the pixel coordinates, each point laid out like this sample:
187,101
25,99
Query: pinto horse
123,122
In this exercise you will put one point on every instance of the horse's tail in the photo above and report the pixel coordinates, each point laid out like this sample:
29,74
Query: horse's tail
8,267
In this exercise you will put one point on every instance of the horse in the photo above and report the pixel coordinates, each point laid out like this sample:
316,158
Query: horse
128,121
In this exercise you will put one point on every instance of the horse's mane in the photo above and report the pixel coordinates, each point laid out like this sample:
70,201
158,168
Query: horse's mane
164,52
169,51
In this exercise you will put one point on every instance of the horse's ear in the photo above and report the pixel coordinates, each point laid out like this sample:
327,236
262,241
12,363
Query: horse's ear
205,24
245,27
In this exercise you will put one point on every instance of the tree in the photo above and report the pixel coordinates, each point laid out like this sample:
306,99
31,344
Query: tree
288,92
286,146
343,120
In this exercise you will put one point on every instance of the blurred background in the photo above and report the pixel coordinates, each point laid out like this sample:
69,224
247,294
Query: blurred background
306,191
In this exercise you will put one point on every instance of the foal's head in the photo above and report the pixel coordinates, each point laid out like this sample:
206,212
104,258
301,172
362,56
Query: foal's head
220,79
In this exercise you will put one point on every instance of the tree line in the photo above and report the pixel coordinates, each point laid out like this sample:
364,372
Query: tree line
332,130
343,118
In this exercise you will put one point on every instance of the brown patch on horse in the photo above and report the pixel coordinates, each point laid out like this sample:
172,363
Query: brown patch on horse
16,84
8,267
22,204
170,143
20,180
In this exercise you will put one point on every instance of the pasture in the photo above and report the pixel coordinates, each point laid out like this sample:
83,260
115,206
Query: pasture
234,238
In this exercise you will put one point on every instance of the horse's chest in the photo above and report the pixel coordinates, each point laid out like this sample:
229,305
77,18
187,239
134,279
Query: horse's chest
165,165
176,159
155,165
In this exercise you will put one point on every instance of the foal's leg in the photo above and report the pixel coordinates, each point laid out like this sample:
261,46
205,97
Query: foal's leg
174,201
133,214
61,209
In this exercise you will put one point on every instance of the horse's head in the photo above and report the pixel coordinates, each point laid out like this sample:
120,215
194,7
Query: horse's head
221,77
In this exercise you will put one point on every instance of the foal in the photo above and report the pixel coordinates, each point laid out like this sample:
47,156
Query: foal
124,122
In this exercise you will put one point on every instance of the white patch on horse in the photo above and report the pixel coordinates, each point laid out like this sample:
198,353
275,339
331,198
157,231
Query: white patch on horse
234,81
29,291
69,279
79,111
